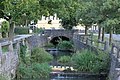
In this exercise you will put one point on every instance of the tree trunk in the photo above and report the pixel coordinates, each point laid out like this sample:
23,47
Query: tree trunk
26,23
103,32
11,31
99,33
86,30
110,36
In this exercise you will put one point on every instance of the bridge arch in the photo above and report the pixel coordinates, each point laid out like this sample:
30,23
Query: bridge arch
55,40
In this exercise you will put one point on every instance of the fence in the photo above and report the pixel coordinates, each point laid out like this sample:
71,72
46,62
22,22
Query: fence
9,56
115,63
82,41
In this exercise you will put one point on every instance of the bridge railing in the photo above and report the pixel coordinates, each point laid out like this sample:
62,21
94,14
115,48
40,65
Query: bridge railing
114,50
114,73
87,39
103,45
9,56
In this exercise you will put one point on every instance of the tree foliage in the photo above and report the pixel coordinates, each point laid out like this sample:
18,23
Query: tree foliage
71,12
67,14
5,28
1,8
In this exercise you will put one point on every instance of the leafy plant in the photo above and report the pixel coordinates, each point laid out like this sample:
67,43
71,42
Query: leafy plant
64,59
22,52
33,71
42,70
65,45
21,30
40,55
49,45
88,61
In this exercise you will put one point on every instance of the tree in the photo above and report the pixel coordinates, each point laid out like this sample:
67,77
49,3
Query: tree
1,9
111,9
85,14
21,12
67,13
5,28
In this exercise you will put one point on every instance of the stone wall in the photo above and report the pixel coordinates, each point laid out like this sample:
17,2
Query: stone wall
37,41
115,63
9,51
60,32
9,60
82,42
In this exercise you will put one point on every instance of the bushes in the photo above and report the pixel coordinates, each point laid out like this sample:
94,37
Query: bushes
34,71
40,55
2,77
64,59
38,30
34,66
65,45
87,61
43,69
21,30
49,45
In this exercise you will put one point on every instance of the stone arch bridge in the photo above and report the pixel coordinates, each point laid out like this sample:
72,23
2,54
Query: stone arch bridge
60,32
64,34
9,59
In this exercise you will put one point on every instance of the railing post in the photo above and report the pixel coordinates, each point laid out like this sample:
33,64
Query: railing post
86,41
106,45
0,56
23,41
11,47
118,55
18,46
0,50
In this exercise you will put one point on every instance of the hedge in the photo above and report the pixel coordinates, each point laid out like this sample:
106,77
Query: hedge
21,30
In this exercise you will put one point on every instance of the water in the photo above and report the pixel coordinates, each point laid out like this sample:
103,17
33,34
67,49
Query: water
57,54
65,78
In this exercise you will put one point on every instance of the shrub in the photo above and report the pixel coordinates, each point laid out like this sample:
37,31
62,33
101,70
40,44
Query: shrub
64,59
38,30
49,45
43,70
2,77
40,55
88,61
21,30
24,71
65,45
22,55
33,71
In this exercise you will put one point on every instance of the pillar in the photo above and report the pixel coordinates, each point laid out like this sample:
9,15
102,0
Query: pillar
0,50
106,45
11,46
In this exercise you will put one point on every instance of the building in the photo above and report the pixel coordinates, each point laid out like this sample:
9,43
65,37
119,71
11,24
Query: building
51,22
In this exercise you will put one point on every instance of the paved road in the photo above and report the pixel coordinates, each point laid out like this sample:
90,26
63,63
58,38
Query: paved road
114,36
18,37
